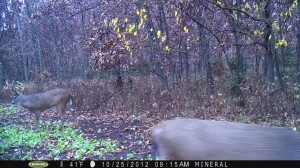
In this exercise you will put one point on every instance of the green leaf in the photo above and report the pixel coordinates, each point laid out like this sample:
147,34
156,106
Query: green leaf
257,7
280,43
129,155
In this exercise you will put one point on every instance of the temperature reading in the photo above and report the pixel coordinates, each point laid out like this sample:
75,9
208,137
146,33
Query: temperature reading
76,164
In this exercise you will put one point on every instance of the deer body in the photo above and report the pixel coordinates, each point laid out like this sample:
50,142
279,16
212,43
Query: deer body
193,139
39,102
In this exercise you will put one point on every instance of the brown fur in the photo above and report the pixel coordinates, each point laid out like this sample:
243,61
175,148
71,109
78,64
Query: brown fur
39,102
193,139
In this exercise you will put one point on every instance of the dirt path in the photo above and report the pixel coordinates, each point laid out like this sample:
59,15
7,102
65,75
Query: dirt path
131,133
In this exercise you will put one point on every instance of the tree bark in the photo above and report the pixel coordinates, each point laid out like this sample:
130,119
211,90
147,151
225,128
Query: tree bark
186,70
269,42
298,43
237,38
22,47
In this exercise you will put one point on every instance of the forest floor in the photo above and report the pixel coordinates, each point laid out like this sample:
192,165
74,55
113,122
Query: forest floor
122,136
131,133
110,134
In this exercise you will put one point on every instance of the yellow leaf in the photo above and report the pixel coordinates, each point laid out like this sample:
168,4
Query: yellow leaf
115,27
131,28
126,20
285,43
138,13
128,48
115,21
258,33
135,33
126,43
158,33
141,23
145,16
167,48
163,39
119,35
255,33
185,29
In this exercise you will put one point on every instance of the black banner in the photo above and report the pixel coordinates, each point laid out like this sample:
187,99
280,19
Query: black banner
146,164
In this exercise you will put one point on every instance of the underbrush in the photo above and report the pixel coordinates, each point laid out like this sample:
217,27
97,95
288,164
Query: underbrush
144,103
251,100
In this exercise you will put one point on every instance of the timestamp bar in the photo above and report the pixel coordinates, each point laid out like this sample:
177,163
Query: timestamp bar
145,164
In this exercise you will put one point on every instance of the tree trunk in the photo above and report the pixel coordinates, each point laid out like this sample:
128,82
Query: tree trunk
237,39
169,56
186,69
298,44
154,66
202,55
269,42
22,52
209,76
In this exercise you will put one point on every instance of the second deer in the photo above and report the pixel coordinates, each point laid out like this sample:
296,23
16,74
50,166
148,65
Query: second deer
37,103
193,139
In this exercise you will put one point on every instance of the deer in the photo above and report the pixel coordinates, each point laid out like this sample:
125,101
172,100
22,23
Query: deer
195,139
39,102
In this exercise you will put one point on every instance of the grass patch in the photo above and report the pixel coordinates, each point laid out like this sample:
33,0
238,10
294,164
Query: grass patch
67,143
7,111
14,137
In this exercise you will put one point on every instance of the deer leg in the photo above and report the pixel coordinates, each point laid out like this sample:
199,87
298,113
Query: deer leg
37,119
62,112
75,121
62,118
